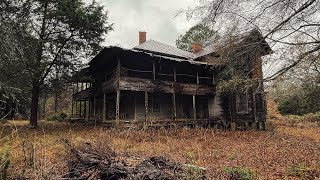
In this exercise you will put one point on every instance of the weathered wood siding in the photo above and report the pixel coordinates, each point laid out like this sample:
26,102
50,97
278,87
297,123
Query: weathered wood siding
215,109
137,84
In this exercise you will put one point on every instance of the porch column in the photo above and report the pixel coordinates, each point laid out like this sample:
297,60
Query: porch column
154,70
90,110
174,106
76,104
94,106
72,107
213,79
80,109
104,107
174,74
118,106
85,110
198,80
145,106
194,107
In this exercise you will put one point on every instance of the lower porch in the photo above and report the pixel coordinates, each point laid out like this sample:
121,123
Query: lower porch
147,107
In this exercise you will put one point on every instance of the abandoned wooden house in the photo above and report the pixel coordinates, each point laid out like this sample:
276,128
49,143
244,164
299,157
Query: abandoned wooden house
157,84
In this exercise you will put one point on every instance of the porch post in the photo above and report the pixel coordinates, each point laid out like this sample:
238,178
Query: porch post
72,107
118,106
80,109
174,106
194,107
213,79
104,106
197,77
135,106
76,113
85,110
174,74
154,70
90,110
145,106
94,106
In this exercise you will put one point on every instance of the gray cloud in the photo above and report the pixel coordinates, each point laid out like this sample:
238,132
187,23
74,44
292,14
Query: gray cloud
156,17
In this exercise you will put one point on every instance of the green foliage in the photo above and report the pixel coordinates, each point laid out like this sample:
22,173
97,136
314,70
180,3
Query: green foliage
239,173
47,39
236,84
302,171
199,33
302,101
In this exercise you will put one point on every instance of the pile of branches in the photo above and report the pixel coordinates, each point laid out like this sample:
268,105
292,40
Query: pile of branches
87,163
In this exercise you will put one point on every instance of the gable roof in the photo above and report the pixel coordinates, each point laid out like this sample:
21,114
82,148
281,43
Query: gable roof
156,47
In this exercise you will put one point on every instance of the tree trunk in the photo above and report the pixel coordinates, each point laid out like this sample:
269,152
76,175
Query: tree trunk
34,105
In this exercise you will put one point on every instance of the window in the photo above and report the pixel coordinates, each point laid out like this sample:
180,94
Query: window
242,102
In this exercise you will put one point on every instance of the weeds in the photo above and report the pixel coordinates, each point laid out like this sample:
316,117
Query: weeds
303,171
38,154
4,162
237,173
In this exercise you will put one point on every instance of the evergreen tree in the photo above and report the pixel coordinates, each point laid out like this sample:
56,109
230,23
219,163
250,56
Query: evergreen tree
199,33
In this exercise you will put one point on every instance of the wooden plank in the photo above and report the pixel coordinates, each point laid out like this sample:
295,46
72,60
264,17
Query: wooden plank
90,111
104,107
154,70
138,84
85,110
145,106
174,106
72,109
76,104
135,106
94,106
198,78
213,79
174,74
118,105
85,94
110,85
194,107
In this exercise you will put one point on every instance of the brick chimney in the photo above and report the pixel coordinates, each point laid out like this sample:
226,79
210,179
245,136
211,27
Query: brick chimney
196,47
142,37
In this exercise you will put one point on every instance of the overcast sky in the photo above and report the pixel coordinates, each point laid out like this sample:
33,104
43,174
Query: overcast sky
156,17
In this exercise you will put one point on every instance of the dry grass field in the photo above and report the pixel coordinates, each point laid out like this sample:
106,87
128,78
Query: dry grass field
287,150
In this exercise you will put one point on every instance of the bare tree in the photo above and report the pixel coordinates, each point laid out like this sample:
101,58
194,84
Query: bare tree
292,28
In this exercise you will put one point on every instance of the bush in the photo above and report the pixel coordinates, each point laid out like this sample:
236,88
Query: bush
304,101
239,173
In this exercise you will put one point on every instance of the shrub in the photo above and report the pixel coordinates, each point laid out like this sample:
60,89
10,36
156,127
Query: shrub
239,173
